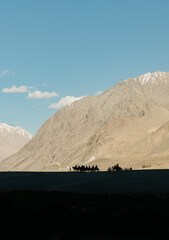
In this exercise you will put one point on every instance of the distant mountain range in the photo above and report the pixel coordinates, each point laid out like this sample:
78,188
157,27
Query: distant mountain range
128,124
12,139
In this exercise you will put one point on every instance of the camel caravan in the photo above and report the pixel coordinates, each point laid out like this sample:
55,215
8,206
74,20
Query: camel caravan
83,168
118,168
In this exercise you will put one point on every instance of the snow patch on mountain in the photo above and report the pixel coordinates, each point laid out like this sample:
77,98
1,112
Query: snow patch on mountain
91,159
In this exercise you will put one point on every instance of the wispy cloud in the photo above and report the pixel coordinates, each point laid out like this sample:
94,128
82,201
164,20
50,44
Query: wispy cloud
65,101
7,72
42,95
14,89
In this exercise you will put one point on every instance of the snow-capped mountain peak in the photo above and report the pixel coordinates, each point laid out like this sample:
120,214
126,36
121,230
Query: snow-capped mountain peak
12,139
17,130
151,77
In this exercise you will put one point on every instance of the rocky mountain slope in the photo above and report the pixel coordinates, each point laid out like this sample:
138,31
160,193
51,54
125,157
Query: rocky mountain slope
12,139
121,125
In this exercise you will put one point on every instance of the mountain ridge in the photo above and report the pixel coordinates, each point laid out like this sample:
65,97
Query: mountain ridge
99,130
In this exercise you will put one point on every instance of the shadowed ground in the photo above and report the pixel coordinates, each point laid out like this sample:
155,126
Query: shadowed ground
56,215
143,181
124,205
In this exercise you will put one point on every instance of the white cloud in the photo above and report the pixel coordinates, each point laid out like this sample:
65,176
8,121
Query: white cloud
7,72
42,95
31,95
14,89
65,101
98,93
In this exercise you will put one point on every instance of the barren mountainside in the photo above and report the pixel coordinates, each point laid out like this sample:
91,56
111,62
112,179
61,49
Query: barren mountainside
127,124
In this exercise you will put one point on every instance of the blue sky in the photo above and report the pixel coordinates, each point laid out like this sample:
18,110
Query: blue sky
54,51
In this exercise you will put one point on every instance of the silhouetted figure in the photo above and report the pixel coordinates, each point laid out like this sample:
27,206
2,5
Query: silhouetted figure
128,169
116,167
86,168
96,168
82,168
76,168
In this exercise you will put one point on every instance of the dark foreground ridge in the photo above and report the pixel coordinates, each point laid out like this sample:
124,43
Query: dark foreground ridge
140,181
58,215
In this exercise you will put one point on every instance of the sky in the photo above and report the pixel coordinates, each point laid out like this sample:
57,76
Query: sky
53,52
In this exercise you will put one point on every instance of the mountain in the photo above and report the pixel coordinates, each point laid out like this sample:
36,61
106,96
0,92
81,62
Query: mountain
127,124
12,139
